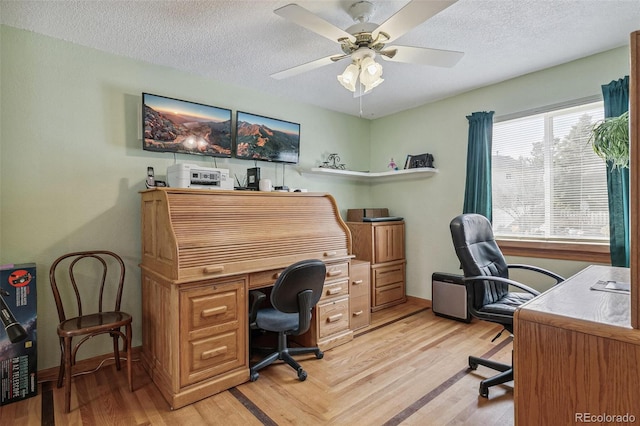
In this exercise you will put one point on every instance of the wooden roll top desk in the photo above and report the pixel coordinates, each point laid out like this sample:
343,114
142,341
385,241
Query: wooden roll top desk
202,250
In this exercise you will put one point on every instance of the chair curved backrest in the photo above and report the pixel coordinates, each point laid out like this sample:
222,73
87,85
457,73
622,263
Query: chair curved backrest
298,289
479,255
104,260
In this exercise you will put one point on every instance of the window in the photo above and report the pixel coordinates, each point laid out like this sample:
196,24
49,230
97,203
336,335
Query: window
548,185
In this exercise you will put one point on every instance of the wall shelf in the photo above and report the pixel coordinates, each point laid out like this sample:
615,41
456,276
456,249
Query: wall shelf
422,172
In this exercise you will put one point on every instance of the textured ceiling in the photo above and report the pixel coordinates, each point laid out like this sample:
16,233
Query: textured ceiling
243,42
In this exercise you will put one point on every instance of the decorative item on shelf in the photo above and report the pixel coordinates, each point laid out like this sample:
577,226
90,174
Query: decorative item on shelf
610,140
392,164
419,161
333,162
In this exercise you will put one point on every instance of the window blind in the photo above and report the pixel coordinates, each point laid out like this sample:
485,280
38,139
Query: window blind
547,182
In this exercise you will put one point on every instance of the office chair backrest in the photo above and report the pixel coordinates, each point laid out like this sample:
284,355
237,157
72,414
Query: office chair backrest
94,274
299,288
479,255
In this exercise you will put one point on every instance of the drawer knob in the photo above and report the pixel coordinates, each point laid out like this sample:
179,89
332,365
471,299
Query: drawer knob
206,313
213,353
213,269
357,314
330,253
334,272
334,290
334,318
356,282
277,275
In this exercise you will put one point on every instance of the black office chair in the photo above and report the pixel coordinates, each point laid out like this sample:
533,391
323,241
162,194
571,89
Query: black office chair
489,299
294,294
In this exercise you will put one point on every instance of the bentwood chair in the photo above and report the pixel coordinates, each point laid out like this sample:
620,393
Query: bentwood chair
486,277
294,294
97,274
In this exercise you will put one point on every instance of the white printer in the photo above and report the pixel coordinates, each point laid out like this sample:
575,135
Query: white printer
192,176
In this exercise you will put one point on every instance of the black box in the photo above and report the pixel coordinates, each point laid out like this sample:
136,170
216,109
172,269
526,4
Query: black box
18,312
449,296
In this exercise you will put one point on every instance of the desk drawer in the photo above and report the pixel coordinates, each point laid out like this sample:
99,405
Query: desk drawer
211,305
334,289
386,275
333,317
360,312
264,278
211,356
337,271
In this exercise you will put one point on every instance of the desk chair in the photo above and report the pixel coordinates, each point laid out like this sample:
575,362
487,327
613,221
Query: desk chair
94,270
294,294
489,299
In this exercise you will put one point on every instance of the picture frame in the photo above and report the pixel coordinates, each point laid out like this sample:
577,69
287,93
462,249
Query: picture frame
419,161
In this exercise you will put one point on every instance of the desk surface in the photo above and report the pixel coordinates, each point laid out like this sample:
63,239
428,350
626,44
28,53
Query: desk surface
573,305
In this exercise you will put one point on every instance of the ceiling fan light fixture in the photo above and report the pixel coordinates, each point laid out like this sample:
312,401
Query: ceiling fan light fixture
370,74
349,77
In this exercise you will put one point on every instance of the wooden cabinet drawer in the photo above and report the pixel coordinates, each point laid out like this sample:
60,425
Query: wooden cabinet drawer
212,330
390,293
333,317
264,278
359,279
385,275
211,356
335,289
360,312
211,305
337,271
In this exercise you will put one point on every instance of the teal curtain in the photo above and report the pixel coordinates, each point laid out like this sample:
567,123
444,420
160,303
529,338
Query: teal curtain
616,102
477,191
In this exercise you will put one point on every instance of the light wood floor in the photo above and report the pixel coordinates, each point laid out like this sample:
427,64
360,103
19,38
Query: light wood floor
409,367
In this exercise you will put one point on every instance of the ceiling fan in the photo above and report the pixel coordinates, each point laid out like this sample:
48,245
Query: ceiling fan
364,40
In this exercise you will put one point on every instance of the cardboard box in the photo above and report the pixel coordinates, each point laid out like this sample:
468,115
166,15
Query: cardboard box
356,215
18,313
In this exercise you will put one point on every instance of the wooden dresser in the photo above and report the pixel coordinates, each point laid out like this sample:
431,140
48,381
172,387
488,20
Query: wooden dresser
202,251
382,244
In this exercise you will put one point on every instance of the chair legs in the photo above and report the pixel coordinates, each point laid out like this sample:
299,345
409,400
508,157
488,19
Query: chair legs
67,359
505,375
285,353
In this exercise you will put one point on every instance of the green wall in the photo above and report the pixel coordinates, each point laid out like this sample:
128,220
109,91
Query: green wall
441,128
71,163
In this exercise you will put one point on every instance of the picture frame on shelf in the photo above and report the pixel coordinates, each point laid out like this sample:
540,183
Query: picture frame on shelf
419,161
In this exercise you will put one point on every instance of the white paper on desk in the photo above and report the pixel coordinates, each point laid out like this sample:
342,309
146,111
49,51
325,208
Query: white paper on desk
612,286
617,285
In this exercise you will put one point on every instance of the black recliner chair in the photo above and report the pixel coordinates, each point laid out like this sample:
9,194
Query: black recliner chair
294,294
486,277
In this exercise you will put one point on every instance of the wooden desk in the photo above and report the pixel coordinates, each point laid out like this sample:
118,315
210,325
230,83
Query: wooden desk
575,353
202,250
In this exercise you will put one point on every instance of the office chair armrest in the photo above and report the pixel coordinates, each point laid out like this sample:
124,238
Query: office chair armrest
255,300
506,281
553,275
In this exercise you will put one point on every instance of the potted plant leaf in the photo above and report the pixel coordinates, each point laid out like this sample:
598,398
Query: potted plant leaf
610,140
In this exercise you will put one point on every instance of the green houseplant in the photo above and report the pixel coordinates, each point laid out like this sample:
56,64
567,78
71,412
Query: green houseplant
610,140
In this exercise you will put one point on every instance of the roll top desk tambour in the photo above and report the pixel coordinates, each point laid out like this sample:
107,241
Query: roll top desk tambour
202,251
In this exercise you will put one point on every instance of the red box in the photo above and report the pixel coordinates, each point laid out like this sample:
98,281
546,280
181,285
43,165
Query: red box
18,314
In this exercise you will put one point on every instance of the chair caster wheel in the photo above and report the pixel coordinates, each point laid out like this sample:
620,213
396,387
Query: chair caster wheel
484,391
302,375
319,355
254,376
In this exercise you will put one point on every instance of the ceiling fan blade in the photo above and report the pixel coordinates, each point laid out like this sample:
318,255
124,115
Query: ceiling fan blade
308,66
410,16
422,56
310,21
